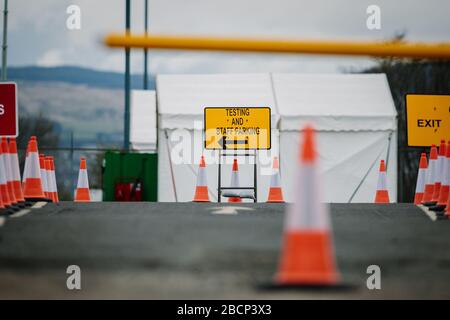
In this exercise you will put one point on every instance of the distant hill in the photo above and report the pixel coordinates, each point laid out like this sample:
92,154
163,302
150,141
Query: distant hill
76,75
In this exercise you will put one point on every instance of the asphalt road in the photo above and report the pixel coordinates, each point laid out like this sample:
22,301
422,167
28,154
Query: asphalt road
209,251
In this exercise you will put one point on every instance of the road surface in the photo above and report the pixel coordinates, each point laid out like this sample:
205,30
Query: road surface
213,251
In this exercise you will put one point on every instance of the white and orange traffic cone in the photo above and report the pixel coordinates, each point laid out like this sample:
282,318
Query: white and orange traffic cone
445,187
201,189
420,184
235,181
25,168
13,156
54,187
48,172
275,191
439,173
382,194
7,164
82,193
33,190
44,175
431,176
4,193
307,255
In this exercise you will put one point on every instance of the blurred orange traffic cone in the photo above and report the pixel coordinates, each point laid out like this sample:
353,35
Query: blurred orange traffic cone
445,187
4,193
431,175
235,181
82,193
33,184
53,186
201,190
8,172
307,256
275,191
382,195
420,184
17,185
439,173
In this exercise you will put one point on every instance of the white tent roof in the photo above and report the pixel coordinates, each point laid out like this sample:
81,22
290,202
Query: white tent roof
335,102
182,98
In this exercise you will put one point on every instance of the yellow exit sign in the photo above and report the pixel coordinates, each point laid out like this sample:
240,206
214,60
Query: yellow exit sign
237,128
428,119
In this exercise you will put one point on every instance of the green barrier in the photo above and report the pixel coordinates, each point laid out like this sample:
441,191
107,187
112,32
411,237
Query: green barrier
123,167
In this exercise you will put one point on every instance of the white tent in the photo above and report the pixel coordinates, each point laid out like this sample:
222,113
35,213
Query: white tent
143,120
354,115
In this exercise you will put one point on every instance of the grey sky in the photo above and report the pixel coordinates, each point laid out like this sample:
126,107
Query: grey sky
38,33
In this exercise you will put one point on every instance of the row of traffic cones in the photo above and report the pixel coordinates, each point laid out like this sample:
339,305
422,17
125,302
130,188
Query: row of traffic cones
433,180
275,190
39,179
201,189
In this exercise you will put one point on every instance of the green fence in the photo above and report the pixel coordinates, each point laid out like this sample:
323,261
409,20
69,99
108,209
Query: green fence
127,167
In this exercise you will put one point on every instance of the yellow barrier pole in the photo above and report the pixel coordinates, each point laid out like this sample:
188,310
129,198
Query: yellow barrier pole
374,49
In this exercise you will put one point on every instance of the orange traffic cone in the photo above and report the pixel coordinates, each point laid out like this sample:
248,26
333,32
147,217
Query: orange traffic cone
82,192
445,188
420,184
17,185
33,184
431,175
4,193
382,195
439,173
53,186
275,191
201,190
44,175
25,168
307,256
8,173
48,177
235,181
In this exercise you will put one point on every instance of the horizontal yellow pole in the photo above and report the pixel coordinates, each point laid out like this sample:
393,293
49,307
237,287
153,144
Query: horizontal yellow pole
374,49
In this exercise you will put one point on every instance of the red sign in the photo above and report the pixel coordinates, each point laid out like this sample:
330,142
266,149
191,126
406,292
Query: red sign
9,124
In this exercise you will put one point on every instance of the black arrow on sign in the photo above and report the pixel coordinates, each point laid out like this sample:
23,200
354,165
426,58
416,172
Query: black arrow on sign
224,142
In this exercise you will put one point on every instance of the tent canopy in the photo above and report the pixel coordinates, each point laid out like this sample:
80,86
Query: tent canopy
348,102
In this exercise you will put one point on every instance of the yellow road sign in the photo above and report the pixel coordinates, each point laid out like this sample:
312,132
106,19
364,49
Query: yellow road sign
428,119
237,128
